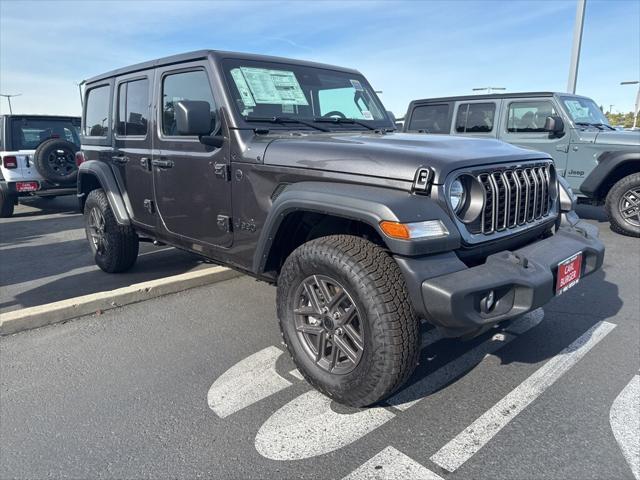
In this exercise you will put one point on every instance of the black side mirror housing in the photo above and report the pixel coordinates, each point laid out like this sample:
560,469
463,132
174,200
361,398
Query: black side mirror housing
554,125
193,117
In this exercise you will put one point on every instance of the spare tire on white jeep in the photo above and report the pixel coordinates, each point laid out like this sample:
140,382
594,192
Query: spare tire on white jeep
55,160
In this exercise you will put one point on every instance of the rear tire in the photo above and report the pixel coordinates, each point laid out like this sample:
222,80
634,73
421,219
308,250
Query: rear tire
114,246
7,204
367,301
622,206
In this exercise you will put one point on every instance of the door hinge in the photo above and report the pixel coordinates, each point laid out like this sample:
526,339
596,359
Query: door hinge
222,171
148,205
224,223
562,147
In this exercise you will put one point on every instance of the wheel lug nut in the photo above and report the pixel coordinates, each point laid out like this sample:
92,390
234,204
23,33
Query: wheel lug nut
339,332
336,315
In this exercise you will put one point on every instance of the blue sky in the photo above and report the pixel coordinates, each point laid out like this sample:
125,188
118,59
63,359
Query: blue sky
408,50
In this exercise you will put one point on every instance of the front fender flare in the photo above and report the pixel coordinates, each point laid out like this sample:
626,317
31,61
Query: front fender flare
107,180
367,204
607,163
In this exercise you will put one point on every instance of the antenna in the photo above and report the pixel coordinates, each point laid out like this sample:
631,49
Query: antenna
8,97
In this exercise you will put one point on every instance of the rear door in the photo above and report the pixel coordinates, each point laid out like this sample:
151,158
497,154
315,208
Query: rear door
476,118
133,143
192,187
523,125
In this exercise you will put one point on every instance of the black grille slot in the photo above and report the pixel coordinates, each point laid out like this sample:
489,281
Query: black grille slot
513,197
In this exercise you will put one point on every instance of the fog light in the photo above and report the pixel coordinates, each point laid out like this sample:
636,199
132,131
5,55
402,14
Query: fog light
488,302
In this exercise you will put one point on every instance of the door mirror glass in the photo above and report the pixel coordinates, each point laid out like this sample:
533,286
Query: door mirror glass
193,117
554,125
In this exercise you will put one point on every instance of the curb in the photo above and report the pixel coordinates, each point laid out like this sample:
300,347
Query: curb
63,310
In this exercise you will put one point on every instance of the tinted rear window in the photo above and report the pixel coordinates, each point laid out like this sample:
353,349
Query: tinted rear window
133,107
27,133
475,117
430,119
96,115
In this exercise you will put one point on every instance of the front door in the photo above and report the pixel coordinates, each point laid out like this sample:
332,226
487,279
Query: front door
523,126
132,153
192,188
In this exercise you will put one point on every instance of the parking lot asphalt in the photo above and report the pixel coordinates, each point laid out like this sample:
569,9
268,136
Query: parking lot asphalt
197,384
45,257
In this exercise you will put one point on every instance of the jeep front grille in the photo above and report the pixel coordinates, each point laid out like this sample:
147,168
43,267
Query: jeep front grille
514,197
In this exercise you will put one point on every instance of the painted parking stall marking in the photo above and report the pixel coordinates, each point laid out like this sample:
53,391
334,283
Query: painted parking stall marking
247,382
391,464
307,427
624,417
475,436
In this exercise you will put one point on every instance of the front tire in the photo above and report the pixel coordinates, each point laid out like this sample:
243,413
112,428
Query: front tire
346,319
114,247
623,206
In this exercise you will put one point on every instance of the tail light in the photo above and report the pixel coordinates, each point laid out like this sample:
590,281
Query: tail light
10,162
80,158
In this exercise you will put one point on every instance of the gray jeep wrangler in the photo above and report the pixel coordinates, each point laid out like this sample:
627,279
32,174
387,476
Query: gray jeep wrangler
599,162
291,172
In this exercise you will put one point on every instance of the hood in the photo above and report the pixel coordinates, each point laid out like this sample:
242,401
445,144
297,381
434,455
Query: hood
611,137
391,155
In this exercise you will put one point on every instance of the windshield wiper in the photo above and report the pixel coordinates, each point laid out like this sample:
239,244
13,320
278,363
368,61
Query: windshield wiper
283,120
599,126
343,121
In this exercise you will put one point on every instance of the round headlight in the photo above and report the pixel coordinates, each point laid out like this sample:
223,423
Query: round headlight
456,195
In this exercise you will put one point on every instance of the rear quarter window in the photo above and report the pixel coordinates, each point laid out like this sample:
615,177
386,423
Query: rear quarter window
96,116
430,119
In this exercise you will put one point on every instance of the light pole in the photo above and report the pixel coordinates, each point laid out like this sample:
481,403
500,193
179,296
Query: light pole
488,89
8,97
577,42
635,113
610,109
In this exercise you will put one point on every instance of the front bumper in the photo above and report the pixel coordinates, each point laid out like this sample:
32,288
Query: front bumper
450,294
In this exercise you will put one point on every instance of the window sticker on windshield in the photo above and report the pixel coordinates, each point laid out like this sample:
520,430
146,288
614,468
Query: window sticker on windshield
366,114
576,109
357,85
274,86
286,108
243,88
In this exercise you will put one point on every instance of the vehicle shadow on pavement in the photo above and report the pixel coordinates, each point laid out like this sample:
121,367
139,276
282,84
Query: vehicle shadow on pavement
564,320
67,204
21,289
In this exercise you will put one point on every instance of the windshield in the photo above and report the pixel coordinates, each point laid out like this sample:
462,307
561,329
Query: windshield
584,110
264,90
27,133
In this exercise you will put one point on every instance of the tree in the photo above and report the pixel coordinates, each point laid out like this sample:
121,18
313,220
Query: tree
624,119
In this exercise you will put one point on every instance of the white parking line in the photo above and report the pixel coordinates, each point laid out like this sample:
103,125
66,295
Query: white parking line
476,435
247,382
306,427
391,464
411,395
624,417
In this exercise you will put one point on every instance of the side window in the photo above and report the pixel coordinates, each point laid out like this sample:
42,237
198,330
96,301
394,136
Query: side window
1,133
96,114
528,116
133,107
475,117
184,86
430,119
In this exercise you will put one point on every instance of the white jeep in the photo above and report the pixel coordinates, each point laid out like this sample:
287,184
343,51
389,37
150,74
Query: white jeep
37,157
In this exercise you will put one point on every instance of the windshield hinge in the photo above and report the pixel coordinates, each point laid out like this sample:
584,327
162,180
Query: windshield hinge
222,171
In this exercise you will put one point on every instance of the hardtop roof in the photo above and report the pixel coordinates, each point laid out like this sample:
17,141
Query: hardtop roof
493,96
204,54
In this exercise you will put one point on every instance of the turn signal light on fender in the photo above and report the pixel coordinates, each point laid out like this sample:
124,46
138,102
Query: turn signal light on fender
415,230
80,159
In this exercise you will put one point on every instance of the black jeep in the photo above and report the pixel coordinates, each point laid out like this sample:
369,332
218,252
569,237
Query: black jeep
292,172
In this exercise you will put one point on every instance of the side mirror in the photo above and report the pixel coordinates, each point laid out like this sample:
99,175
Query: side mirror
391,116
554,125
193,117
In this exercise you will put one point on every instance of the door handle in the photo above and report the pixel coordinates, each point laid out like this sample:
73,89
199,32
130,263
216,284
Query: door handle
120,159
162,163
